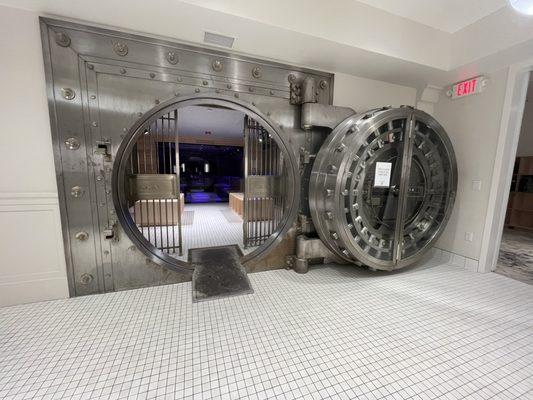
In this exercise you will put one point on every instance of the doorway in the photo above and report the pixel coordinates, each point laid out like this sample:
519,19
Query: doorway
515,257
201,173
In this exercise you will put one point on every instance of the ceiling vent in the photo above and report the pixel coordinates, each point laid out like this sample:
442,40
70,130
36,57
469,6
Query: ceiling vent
219,40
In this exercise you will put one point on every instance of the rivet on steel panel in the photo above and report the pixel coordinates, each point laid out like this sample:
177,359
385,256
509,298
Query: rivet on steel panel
62,39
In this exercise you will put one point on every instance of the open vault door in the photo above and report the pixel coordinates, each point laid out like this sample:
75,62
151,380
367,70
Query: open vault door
153,185
383,186
264,184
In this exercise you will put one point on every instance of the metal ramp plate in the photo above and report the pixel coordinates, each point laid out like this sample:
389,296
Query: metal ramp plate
218,273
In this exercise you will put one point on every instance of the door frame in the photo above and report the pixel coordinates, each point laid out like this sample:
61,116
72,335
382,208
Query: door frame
119,167
510,126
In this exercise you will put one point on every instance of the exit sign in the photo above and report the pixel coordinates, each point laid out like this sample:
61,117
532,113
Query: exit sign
468,87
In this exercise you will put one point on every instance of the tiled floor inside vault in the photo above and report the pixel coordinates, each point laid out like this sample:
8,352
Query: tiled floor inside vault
434,331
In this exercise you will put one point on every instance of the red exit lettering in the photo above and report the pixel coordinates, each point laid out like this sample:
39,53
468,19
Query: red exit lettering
465,88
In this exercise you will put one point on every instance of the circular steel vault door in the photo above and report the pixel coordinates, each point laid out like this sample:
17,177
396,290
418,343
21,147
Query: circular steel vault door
383,186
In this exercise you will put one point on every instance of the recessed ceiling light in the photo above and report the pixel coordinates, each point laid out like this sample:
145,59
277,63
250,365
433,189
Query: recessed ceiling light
522,6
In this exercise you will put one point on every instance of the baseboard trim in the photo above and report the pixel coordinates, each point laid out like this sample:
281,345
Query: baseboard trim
22,292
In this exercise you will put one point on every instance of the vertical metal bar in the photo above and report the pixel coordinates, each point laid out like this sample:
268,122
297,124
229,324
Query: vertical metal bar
158,228
255,196
176,138
164,144
177,172
271,197
245,227
404,185
146,138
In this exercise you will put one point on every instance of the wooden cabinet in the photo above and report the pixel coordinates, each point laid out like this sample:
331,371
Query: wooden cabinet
520,206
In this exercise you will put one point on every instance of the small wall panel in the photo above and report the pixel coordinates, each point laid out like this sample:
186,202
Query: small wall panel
33,263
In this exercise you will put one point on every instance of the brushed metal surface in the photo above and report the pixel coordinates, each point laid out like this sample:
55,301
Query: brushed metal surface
152,186
391,227
117,79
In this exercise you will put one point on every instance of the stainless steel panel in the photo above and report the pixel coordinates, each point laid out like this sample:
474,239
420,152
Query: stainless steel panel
264,186
100,84
383,226
151,186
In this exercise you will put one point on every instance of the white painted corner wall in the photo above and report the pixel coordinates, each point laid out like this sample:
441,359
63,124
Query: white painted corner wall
32,263
473,124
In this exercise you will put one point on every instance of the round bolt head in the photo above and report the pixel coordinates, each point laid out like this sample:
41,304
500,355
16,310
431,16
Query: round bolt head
291,78
217,65
323,84
256,72
197,90
77,191
205,83
172,58
120,48
90,66
152,75
85,279
68,93
81,236
72,143
62,39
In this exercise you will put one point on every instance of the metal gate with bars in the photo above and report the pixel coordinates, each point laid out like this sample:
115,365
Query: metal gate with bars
153,185
264,184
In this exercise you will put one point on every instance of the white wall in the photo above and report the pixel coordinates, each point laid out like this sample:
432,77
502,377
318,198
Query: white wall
362,94
32,264
525,143
473,124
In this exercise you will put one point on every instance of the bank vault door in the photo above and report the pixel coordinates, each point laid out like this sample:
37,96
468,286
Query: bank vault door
101,85
264,184
153,185
383,186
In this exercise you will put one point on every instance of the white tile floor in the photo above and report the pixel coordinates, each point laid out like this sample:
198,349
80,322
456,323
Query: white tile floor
209,228
336,332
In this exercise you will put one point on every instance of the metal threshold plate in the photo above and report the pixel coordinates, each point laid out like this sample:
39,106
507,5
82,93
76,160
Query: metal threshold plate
218,273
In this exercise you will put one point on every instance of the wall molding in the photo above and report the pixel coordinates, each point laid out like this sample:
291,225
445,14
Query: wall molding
456,260
34,224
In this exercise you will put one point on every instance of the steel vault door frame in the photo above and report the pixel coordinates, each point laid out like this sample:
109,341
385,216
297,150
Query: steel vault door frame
88,126
124,151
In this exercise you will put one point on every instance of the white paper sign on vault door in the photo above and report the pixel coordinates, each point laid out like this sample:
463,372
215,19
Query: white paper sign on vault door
382,175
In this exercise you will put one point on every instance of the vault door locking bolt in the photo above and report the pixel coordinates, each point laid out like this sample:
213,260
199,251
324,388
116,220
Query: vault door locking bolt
103,148
110,233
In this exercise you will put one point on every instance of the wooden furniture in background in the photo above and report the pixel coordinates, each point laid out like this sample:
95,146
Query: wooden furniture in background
520,206
236,203
158,212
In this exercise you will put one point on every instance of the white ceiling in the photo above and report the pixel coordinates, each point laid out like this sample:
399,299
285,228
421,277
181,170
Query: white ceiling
347,36
194,121
446,15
